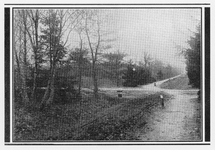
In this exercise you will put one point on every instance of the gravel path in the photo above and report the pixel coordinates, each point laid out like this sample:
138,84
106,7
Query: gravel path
179,120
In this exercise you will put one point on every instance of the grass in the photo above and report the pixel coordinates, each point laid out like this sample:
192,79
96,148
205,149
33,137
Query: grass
180,83
119,122
105,118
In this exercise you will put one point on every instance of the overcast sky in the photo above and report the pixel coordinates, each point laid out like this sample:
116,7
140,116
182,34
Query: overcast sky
156,31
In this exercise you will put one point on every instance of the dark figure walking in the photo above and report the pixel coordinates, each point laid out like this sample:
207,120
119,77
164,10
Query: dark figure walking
154,84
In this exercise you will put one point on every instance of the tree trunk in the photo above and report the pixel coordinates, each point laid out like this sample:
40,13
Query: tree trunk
117,74
80,65
80,78
18,79
24,76
46,95
21,80
117,81
50,90
34,90
24,88
95,81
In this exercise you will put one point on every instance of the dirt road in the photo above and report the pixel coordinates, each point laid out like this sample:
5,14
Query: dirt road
179,120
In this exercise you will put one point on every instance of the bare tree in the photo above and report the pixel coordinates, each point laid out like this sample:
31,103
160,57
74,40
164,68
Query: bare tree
79,57
33,30
21,52
95,33
57,29
52,37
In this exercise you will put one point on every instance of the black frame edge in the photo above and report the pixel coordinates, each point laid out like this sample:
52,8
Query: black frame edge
207,74
7,73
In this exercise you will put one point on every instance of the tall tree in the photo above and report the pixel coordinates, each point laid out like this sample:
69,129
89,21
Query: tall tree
192,56
33,33
53,23
21,52
95,33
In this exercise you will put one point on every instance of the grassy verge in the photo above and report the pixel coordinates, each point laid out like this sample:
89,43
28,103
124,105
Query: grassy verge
120,123
193,125
181,83
196,128
107,118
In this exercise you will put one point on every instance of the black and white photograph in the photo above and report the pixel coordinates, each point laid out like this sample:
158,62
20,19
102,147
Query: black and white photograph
107,73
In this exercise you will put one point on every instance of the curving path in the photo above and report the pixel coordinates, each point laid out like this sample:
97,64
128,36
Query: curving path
179,120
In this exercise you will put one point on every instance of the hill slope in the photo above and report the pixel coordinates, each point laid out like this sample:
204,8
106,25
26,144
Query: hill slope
181,83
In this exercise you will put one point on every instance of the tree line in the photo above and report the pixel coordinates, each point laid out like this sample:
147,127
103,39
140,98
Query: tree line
44,58
142,74
192,56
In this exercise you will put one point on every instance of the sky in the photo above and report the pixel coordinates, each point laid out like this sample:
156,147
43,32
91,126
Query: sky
156,31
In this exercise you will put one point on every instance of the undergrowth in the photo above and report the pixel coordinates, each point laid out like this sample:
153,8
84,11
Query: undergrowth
105,118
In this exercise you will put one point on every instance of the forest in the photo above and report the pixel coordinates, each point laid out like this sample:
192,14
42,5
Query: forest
46,65
61,60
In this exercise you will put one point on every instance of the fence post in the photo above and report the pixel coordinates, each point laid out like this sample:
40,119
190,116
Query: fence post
119,93
162,100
